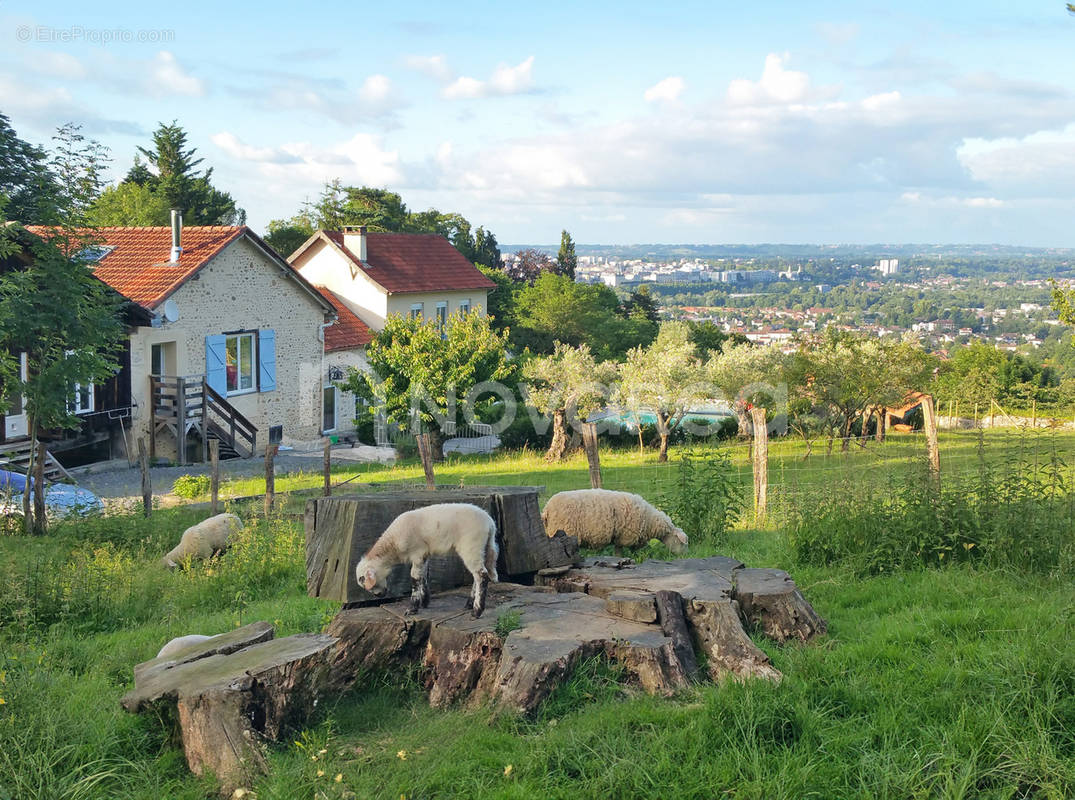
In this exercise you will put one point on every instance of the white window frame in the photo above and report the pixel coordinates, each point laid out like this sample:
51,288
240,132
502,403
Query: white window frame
252,337
464,307
87,395
335,408
417,310
442,317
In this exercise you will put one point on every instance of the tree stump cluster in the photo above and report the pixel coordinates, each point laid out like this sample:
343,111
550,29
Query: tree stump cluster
659,620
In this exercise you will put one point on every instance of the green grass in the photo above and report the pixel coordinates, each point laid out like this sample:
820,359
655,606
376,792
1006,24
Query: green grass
951,682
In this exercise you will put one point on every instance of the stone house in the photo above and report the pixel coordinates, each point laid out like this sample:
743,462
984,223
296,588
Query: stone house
230,344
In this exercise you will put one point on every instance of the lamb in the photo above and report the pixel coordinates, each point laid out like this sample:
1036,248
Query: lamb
181,642
438,529
204,540
600,516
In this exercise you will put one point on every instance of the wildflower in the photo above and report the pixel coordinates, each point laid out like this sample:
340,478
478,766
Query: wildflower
402,755
322,751
3,702
968,545
313,758
320,773
507,771
339,777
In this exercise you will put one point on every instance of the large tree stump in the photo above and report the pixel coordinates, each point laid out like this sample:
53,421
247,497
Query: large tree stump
339,531
708,593
770,601
465,660
231,701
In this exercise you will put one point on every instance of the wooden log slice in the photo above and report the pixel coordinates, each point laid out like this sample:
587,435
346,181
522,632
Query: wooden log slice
729,651
221,644
770,602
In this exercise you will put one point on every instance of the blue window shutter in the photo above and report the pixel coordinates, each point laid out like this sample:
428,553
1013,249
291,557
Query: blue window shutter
266,360
216,369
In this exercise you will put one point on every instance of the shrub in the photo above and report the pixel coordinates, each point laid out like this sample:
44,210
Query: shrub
520,433
190,486
706,499
1017,515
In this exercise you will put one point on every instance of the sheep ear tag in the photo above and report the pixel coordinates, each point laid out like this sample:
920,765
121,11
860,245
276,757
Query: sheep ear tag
370,581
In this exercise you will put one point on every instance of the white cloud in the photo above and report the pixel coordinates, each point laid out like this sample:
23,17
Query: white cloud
837,33
362,159
777,85
1040,163
505,80
58,65
375,99
436,67
167,77
665,91
949,201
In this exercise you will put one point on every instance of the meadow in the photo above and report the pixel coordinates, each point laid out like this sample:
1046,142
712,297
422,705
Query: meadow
942,675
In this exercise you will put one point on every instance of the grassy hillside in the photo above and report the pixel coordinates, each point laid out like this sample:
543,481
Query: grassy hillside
954,680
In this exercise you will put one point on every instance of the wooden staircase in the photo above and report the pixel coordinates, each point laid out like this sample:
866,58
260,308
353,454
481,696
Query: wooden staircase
15,457
187,404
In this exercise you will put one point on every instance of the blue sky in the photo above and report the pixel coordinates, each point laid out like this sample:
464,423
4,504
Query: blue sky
622,122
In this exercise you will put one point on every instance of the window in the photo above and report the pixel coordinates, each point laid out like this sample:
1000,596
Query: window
442,316
82,402
239,360
464,307
416,310
328,409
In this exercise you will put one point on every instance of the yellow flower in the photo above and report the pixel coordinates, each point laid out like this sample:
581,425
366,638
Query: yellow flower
320,773
339,777
402,755
968,545
507,771
3,702
313,758
322,751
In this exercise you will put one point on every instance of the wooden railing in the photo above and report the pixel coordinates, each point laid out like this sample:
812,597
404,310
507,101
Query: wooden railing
187,402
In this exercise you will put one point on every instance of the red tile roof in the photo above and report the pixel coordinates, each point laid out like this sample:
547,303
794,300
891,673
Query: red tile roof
414,262
138,266
348,331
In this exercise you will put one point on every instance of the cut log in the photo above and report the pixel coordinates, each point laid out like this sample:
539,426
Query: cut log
770,602
339,531
221,644
638,606
467,660
706,591
230,703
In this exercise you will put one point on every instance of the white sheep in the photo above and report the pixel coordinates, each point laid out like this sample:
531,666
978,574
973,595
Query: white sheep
181,642
600,516
435,530
204,540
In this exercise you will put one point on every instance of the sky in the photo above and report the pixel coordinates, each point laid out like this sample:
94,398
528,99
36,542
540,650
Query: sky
624,122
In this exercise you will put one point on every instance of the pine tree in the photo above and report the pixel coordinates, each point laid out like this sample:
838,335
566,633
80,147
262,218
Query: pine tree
566,261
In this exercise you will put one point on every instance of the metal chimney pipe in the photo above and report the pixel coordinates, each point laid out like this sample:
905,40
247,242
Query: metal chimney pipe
177,231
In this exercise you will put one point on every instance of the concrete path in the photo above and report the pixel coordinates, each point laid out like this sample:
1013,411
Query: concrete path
116,481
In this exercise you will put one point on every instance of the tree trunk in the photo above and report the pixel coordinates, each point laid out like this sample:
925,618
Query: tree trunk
882,422
743,417
559,437
41,523
846,443
662,455
436,444
27,507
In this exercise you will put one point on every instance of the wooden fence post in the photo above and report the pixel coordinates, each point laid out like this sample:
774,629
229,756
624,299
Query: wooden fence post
933,453
761,461
328,467
214,476
147,487
270,478
426,454
589,444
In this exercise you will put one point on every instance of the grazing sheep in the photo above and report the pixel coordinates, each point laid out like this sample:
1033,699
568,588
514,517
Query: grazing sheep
180,642
435,530
204,540
599,516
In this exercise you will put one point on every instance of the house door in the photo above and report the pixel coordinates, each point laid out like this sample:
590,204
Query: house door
328,421
15,425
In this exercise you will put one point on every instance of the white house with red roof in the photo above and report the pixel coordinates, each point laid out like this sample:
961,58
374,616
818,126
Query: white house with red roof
234,346
378,274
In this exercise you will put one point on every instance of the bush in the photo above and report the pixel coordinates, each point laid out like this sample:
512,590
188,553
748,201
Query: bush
190,486
520,433
706,499
1017,515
